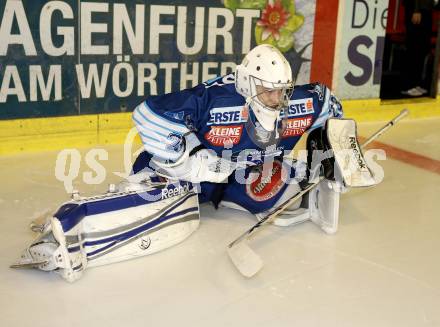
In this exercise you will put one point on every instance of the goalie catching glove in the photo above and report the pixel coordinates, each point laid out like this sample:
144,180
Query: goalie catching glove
197,164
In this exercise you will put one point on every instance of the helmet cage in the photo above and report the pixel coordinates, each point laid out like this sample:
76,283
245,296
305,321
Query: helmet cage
284,96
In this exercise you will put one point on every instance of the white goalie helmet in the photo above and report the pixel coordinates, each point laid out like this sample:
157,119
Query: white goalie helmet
264,78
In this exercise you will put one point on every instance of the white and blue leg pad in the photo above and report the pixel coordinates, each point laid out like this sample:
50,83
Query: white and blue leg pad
321,207
134,220
324,205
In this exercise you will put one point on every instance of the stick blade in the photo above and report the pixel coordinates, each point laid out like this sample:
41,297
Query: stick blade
245,259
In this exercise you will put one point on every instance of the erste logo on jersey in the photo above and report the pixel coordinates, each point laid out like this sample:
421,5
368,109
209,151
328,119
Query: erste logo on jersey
297,108
297,126
226,115
227,129
224,135
300,107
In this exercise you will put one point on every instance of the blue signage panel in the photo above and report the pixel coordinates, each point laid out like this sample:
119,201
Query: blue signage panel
70,57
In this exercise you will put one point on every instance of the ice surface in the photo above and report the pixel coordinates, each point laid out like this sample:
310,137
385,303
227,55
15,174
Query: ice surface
382,268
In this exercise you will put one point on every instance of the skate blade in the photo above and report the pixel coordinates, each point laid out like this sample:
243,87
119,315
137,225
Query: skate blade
39,221
28,265
36,228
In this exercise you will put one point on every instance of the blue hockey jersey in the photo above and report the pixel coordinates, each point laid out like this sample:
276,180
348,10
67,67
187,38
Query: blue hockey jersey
216,114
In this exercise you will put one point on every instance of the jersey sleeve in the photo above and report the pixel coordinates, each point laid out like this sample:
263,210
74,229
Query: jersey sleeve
163,121
330,107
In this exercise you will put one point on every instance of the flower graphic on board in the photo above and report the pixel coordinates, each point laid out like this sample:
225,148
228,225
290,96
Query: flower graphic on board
278,21
272,19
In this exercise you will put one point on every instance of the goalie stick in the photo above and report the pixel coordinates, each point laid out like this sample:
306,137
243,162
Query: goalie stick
242,256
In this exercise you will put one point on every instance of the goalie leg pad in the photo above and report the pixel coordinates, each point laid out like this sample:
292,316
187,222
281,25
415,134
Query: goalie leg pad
324,205
113,227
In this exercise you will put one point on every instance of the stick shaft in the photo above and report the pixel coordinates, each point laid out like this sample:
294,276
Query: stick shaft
275,213
391,123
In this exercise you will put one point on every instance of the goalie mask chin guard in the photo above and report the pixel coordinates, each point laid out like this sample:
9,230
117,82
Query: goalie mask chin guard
260,136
